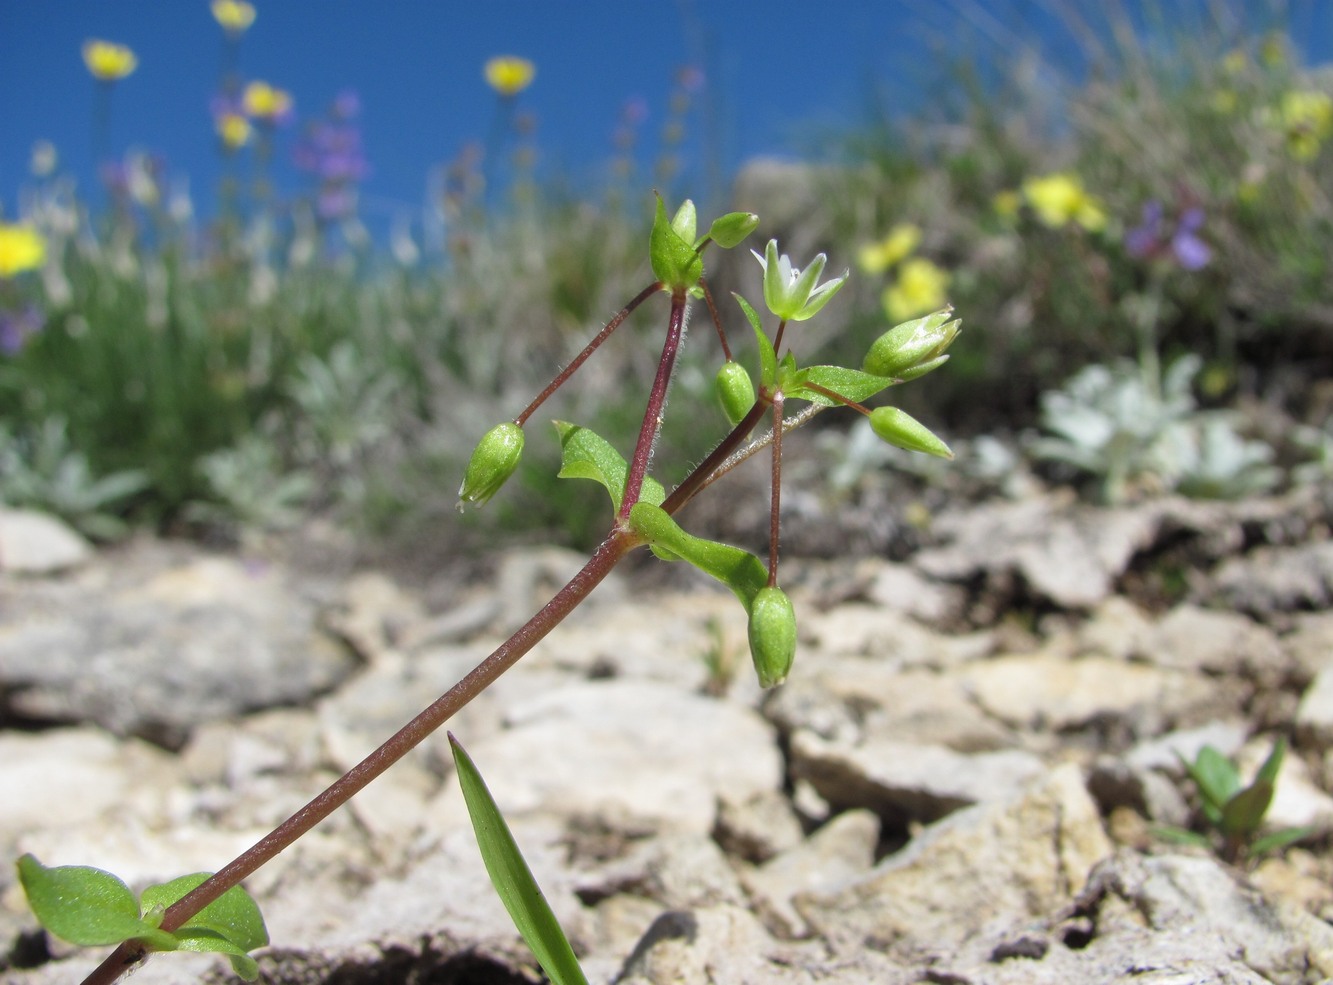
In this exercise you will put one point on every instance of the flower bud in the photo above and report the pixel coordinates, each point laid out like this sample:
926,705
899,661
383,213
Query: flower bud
900,428
494,460
728,230
772,635
913,348
735,390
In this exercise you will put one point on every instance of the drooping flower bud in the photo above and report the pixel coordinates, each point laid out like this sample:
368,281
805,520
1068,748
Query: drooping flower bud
900,428
735,390
730,229
772,635
913,348
493,461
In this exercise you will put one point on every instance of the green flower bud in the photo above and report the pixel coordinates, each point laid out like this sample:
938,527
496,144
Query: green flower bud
899,428
735,390
728,230
685,221
494,460
913,348
772,635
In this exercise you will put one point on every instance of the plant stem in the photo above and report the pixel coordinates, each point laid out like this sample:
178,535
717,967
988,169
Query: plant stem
612,550
588,350
774,521
652,414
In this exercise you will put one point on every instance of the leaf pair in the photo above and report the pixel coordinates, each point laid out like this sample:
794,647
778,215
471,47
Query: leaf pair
1236,812
91,907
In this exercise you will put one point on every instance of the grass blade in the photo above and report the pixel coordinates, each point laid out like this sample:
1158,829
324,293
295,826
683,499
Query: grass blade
512,878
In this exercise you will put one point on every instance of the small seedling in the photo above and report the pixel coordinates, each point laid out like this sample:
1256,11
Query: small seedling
1235,813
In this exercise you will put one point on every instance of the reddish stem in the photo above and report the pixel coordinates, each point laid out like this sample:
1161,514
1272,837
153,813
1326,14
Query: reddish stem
774,521
652,414
717,320
588,350
615,547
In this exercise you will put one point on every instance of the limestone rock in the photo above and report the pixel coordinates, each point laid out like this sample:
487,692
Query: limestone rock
33,543
902,782
1001,863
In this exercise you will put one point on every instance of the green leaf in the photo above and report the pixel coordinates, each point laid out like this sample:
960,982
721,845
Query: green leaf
1269,770
1280,839
675,261
686,221
233,916
207,941
1244,813
587,455
852,384
768,359
1215,776
739,570
87,906
1182,836
512,878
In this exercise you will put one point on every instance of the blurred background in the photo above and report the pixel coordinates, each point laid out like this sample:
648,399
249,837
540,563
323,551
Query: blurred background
267,263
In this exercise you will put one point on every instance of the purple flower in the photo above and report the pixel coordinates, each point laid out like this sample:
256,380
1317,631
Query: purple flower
16,327
1156,237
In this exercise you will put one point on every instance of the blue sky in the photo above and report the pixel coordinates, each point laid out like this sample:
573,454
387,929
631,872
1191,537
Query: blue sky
778,72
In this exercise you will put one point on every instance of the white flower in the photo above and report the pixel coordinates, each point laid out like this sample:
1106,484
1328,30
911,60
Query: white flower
790,293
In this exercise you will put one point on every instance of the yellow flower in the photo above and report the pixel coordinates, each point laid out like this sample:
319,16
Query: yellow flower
1307,117
264,102
108,61
1060,199
921,287
234,129
508,74
21,248
234,15
875,258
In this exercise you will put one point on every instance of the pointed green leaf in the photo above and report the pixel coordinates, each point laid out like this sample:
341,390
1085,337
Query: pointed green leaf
1244,813
234,915
1269,770
512,878
86,906
768,359
739,570
587,455
1215,776
1280,839
1181,836
856,386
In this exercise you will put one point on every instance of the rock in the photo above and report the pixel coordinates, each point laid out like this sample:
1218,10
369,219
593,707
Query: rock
1314,715
634,753
841,850
33,543
206,640
1049,691
1117,629
854,698
893,639
758,827
901,588
1064,553
902,782
1310,644
999,864
1297,801
1273,580
1218,643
